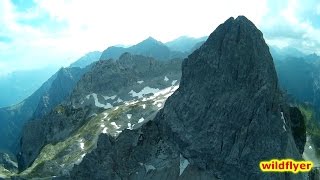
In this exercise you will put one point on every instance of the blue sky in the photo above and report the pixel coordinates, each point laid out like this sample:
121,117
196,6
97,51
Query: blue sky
39,33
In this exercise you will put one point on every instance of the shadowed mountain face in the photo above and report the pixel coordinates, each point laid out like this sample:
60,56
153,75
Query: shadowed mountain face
149,47
226,117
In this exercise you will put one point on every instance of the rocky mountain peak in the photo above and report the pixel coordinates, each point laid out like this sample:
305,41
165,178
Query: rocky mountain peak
150,40
227,114
236,55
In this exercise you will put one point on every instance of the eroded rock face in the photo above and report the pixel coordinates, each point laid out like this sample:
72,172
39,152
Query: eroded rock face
226,116
134,154
8,163
227,113
298,128
314,174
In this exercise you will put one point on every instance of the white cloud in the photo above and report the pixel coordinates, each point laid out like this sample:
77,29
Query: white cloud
289,12
74,27
293,25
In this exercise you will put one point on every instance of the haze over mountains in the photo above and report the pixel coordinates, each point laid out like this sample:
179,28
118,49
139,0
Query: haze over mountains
16,86
186,109
60,85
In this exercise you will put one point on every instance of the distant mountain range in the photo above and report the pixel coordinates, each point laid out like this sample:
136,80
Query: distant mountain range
185,43
150,47
60,85
300,78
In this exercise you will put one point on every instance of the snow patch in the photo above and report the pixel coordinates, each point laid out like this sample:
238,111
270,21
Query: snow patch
140,82
82,146
129,126
167,91
310,147
102,125
80,159
144,106
129,116
183,164
141,120
144,91
109,97
88,96
174,82
115,125
149,168
119,100
105,115
284,122
166,78
93,115
284,128
117,133
104,131
97,103
159,105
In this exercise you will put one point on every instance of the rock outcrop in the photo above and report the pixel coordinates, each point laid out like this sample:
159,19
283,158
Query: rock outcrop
60,89
7,163
226,117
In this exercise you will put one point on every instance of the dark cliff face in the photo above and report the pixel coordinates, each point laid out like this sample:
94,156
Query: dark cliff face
298,128
226,117
228,98
228,114
66,80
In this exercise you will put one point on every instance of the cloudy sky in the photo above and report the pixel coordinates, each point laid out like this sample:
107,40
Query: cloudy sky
39,33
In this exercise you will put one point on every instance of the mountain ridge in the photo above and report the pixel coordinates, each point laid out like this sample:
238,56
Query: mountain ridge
149,47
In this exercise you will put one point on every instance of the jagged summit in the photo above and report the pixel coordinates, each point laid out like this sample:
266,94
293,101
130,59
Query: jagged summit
228,114
235,51
150,39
